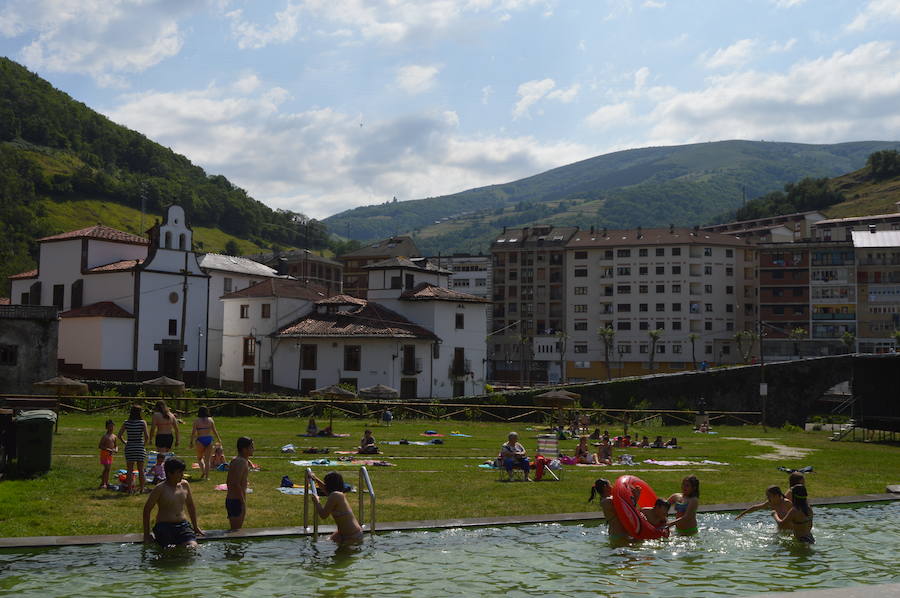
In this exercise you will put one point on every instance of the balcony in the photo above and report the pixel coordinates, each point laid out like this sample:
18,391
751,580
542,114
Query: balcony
461,367
849,316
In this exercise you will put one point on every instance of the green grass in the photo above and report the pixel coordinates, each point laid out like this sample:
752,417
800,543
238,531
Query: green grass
444,483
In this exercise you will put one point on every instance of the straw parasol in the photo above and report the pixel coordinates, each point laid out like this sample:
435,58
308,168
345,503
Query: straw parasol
60,385
561,399
165,386
379,391
333,392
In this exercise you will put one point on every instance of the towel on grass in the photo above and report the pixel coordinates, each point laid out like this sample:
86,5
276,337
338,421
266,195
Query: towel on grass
458,435
679,463
324,436
224,487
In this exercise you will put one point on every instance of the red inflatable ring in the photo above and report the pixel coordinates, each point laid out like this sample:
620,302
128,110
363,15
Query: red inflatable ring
630,516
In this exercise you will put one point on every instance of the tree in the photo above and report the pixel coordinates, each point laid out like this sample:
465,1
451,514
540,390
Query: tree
607,337
654,338
796,335
745,341
849,340
693,338
232,248
896,336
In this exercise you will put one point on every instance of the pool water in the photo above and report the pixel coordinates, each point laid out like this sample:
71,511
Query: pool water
855,545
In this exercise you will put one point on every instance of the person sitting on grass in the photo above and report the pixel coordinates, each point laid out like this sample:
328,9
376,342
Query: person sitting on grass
218,457
236,498
583,453
367,445
605,453
513,454
658,443
348,529
311,428
172,496
603,489
672,443
775,501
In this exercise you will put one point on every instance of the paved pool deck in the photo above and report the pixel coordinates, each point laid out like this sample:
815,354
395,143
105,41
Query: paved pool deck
390,526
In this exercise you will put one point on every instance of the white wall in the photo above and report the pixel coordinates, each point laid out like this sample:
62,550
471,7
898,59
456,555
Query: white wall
117,287
156,310
101,253
81,341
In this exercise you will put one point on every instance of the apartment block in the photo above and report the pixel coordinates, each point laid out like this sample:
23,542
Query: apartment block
784,228
840,229
471,273
696,288
356,277
878,283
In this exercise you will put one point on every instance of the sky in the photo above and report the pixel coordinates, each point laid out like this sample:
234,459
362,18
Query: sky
319,106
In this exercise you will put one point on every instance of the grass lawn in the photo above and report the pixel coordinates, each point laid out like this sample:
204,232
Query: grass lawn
429,482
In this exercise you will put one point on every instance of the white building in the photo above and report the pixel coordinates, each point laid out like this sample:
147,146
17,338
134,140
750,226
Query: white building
412,333
131,309
471,273
227,274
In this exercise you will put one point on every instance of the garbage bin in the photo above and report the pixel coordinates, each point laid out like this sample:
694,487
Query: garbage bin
34,440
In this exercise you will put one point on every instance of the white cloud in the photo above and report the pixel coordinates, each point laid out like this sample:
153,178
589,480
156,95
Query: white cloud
415,78
848,95
486,92
736,54
640,77
875,11
251,35
102,38
247,84
653,4
787,3
529,93
610,116
320,161
564,95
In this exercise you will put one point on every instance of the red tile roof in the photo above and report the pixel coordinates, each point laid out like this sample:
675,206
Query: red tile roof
341,300
116,266
103,309
4,301
370,320
104,233
280,287
428,292
20,275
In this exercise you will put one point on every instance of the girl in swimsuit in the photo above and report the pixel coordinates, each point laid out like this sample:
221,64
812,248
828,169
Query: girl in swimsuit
203,431
800,516
686,503
164,427
348,528
583,454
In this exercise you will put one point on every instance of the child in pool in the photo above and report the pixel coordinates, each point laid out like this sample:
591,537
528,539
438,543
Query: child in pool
348,529
686,503
108,447
657,515
603,489
775,501
795,479
800,517
172,497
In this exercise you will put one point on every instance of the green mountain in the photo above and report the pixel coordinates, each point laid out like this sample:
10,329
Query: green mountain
64,166
654,186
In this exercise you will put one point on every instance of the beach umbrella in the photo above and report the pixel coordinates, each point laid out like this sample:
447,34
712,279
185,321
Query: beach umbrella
379,391
561,399
333,391
60,385
164,386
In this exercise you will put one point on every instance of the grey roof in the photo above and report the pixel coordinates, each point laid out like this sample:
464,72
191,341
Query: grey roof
238,265
292,256
404,262
400,245
882,238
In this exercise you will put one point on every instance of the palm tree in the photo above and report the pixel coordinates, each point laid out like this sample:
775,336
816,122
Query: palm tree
745,340
896,336
796,335
607,337
849,340
654,338
693,338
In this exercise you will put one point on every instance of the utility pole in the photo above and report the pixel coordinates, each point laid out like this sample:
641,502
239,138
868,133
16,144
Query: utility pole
763,387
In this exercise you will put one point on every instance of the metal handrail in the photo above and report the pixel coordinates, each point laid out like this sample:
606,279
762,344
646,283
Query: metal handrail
309,487
364,477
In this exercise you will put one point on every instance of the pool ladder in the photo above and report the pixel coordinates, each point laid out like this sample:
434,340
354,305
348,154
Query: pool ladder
309,487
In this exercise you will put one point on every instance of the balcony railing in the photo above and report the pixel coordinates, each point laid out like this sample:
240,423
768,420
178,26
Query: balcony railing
834,316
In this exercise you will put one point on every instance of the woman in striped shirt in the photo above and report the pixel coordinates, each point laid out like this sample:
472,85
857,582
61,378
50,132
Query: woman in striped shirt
134,432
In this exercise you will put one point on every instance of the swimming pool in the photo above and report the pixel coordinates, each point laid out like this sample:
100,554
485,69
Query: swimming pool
855,545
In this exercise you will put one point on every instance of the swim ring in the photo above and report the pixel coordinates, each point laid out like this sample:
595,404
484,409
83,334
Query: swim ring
634,522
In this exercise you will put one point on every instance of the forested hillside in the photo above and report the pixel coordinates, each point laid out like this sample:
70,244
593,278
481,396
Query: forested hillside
55,148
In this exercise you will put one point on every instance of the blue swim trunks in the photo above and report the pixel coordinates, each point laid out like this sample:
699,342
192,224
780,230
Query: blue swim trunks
234,507
168,533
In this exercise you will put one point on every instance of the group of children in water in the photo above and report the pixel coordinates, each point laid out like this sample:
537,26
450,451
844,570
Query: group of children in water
791,511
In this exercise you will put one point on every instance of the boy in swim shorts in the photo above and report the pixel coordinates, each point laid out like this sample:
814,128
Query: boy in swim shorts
171,497
108,446
236,498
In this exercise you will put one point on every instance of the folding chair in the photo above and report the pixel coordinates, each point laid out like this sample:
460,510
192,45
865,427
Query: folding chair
548,446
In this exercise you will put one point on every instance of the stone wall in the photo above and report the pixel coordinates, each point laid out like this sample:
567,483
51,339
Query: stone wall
28,343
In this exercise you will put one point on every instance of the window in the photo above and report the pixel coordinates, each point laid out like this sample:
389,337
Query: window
245,312
676,325
707,325
642,289
581,255
623,289
623,308
660,288
249,351
676,307
660,348
460,321
59,295
676,288
676,251
729,271
676,270
660,307
707,288
708,349
173,327
624,348
729,253
581,348
266,311
481,282
623,271
623,253
707,270
308,357
729,290
408,282
643,325
676,348
729,326
623,325
581,325
396,282
352,357
579,272
77,293
643,270
660,270
642,252
707,307
643,348
660,325
707,251
729,307
409,360
9,355
580,308
581,290
642,307
660,251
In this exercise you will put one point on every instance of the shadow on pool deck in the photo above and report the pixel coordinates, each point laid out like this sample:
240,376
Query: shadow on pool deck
389,526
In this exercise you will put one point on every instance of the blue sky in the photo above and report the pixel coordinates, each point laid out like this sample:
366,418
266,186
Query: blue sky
322,105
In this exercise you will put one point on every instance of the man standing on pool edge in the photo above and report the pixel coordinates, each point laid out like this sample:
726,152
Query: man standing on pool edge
172,496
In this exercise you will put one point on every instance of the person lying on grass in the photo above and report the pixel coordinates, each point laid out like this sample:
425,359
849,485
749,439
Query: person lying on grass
172,496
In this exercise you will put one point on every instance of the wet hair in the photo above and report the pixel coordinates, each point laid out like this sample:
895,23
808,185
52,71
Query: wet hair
203,412
244,442
172,465
795,479
108,422
798,497
695,485
661,503
135,412
775,490
597,488
334,482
